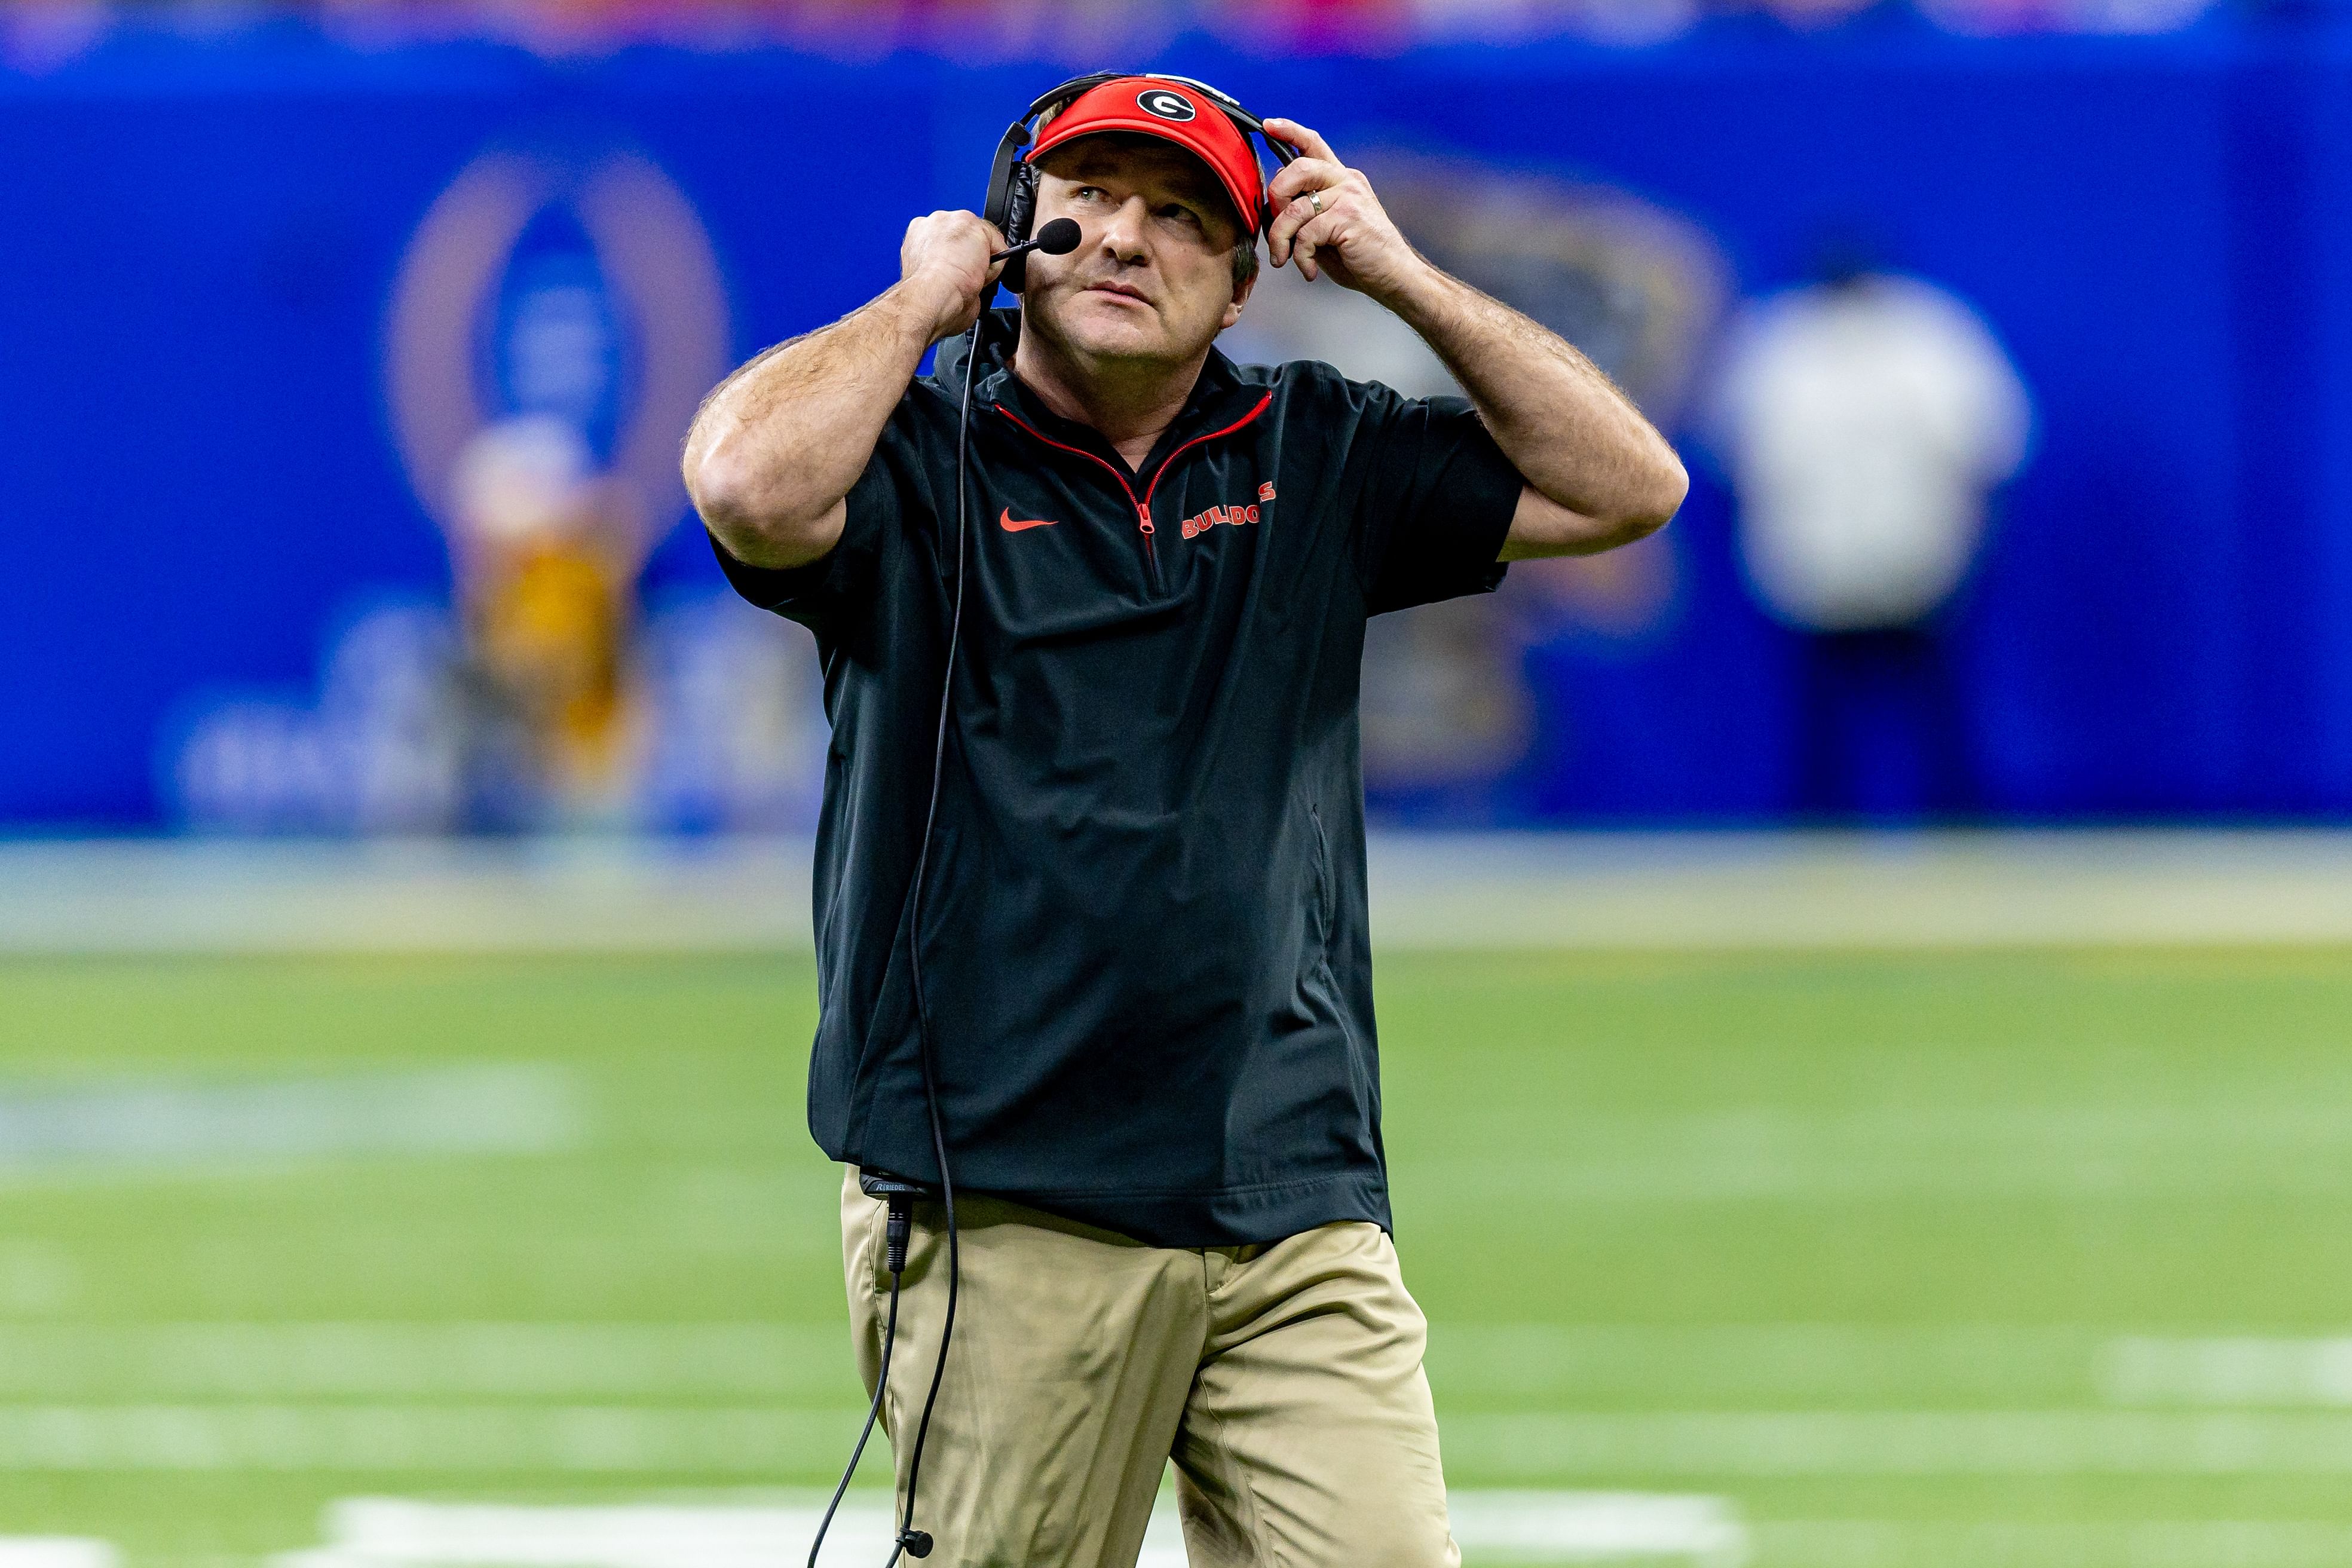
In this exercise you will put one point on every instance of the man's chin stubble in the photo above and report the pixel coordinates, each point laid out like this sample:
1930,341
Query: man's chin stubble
1116,344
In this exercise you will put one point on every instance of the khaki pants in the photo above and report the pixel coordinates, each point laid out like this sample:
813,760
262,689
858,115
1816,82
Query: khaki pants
1284,1380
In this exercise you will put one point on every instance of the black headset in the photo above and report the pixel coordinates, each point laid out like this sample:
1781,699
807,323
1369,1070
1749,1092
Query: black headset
1012,206
1013,181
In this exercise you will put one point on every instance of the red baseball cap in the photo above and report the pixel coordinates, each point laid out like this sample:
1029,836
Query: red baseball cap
1178,112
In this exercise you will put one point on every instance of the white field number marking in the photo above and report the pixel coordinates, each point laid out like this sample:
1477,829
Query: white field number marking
1528,1526
55,1552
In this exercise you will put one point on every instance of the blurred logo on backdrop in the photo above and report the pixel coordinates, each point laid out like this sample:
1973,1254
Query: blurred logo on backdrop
1447,703
554,322
555,319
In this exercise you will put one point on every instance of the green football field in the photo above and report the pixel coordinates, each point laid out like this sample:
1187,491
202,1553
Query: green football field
1953,1259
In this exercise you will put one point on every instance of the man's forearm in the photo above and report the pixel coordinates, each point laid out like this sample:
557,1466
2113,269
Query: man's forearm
1574,437
780,443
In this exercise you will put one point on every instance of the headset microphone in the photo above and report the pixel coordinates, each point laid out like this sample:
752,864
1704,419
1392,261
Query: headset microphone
1059,237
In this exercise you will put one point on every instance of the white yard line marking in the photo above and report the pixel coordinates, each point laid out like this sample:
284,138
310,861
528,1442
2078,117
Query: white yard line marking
1561,1364
1876,1156
1570,1527
479,1440
1788,891
2170,1543
53,1131
731,1361
1569,1365
1565,1365
1600,892
1703,1445
415,896
2237,1370
1526,1527
751,1441
1551,1527
1572,1363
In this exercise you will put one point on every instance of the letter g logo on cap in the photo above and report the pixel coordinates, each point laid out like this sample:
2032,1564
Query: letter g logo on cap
1167,105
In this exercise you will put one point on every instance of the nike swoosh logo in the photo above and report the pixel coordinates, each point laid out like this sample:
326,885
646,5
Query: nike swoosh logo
1011,525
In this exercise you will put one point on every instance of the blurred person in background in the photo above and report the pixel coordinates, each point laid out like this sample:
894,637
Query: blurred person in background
1144,1013
1865,419
547,600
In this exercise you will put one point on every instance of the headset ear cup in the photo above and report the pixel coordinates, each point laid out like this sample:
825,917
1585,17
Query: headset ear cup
1000,172
1019,214
1020,203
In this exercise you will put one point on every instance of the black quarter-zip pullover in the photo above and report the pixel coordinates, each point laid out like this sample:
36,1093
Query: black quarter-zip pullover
1145,946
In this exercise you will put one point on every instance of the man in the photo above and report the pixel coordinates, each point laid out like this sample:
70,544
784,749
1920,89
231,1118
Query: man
1144,949
1865,420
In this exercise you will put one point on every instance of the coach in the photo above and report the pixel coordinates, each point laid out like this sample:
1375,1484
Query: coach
1145,947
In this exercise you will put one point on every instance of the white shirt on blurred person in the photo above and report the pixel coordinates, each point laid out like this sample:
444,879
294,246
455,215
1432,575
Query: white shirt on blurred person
1864,421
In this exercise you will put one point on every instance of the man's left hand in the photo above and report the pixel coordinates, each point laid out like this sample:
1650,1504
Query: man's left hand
1351,237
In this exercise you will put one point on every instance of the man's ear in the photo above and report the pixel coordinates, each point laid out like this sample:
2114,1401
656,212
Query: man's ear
1242,291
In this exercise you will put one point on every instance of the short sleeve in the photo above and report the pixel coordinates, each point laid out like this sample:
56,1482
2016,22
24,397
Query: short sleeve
1438,496
831,592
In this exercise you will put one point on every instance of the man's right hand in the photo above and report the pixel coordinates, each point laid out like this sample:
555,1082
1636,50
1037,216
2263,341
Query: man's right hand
946,255
775,451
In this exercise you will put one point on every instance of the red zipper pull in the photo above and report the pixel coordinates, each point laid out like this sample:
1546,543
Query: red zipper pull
1143,515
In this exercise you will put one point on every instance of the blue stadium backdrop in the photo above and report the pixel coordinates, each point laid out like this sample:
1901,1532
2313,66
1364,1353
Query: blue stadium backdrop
205,461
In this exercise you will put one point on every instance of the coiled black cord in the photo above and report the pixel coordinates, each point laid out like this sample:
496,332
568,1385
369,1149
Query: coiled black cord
910,1541
895,1259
